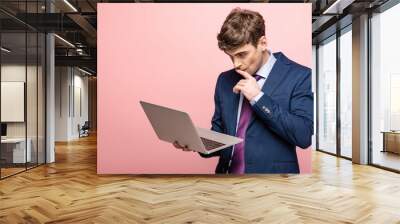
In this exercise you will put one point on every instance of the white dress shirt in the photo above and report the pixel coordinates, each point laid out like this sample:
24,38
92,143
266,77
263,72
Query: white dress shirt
264,73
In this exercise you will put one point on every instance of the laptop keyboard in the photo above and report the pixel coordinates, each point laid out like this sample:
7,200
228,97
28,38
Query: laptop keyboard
210,144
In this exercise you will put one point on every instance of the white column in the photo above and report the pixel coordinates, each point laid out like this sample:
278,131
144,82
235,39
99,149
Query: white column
50,91
360,90
50,82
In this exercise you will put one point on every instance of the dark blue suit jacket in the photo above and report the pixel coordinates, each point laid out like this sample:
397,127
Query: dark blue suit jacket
282,118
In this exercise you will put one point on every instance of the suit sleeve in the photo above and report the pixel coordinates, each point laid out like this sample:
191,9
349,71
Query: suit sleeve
295,125
216,121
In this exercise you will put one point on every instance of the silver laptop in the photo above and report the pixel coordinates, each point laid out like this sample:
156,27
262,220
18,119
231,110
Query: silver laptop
172,125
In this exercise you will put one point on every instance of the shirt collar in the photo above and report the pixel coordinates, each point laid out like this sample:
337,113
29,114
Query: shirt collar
267,67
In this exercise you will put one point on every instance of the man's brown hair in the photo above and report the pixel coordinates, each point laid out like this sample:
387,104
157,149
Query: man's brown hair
241,27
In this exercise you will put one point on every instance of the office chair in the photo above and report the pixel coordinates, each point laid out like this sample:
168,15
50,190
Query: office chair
84,130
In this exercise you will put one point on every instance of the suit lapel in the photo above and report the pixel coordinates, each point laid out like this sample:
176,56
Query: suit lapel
235,104
276,76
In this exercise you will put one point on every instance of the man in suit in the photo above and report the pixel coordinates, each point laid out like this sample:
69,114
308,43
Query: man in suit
266,100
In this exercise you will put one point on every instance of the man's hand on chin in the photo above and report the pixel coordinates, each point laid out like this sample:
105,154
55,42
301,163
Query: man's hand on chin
248,86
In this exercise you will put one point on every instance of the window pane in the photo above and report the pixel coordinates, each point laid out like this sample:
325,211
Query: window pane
31,100
41,98
385,86
345,94
314,78
327,96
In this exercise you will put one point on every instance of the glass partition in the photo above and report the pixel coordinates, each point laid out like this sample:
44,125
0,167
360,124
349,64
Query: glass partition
22,63
13,105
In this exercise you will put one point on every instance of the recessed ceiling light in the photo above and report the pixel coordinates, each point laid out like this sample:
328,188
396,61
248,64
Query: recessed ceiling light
64,40
84,71
5,50
70,5
338,6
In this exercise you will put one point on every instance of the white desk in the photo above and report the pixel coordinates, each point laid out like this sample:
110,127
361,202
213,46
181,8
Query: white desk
18,149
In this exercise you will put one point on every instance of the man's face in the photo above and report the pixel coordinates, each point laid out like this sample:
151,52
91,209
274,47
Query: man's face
248,58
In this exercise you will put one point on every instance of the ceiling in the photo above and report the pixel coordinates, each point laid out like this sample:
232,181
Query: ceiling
76,22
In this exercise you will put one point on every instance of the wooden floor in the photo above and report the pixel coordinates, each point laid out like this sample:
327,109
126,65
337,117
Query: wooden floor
5,172
70,191
387,159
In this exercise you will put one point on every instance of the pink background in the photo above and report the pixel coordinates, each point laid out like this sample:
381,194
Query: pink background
167,54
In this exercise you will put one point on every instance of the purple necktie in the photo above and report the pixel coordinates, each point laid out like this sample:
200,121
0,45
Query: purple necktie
237,166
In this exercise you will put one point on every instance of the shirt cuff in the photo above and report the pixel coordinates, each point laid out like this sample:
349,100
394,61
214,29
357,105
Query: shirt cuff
256,98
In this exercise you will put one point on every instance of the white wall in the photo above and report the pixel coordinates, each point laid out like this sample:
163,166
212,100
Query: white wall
79,117
71,92
62,81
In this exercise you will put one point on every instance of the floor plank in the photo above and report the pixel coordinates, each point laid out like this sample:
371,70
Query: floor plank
70,191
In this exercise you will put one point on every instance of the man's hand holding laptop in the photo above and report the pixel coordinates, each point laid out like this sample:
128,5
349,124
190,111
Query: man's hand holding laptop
184,147
185,136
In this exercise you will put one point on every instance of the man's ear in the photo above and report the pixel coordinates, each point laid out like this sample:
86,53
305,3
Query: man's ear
263,43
